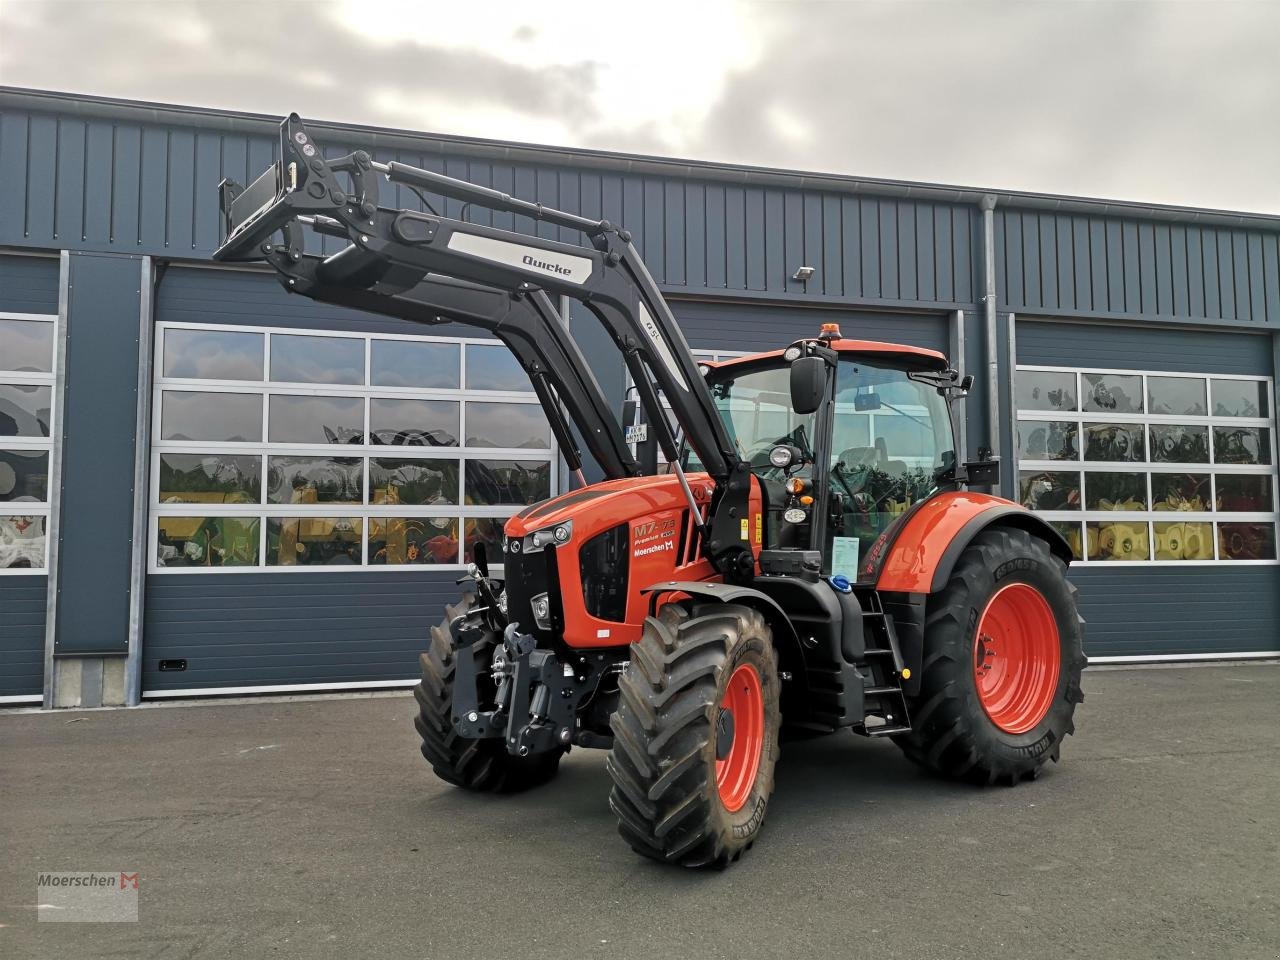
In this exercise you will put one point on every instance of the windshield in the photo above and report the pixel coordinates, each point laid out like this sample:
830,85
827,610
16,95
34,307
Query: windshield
756,408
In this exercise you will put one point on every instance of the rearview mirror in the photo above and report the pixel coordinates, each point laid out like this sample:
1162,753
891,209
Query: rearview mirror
808,382
865,402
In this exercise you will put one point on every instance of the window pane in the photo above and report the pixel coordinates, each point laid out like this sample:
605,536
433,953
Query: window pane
413,481
1118,541
315,480
210,478
221,417
299,359
404,363
26,345
1048,440
22,542
416,540
212,354
1184,541
1241,493
1179,444
508,481
1071,532
24,476
1240,398
1241,445
1115,491
1177,396
25,410
1050,491
486,530
507,425
414,423
316,419
1180,491
207,542
313,541
494,368
1112,392
1041,390
1114,442
1246,541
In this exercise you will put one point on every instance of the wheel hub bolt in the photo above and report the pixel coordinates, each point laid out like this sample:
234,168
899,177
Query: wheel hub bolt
472,717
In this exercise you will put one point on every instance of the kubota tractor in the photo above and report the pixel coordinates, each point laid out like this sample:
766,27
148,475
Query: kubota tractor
809,560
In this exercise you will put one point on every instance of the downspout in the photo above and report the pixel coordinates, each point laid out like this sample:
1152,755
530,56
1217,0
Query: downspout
988,205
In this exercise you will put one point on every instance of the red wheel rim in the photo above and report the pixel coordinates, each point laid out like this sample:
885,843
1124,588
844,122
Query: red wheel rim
1016,658
744,703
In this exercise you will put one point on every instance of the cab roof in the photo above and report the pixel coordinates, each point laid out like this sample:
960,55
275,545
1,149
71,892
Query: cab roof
921,357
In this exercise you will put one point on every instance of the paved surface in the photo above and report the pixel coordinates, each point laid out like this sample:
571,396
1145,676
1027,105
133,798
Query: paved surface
312,829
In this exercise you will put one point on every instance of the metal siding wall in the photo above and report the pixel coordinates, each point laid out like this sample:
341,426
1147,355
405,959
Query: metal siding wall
99,417
29,284
1143,611
139,187
759,327
1051,262
1112,346
22,604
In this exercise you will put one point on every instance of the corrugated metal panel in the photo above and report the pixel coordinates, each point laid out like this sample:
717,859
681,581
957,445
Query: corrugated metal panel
1073,263
22,600
1137,611
97,184
1141,348
754,327
261,629
29,284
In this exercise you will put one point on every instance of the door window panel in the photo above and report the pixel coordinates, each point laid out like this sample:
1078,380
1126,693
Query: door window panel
1115,491
314,541
1046,390
1111,392
1244,493
1241,398
413,481
207,541
315,480
1181,491
22,541
24,476
210,478
420,541
1114,442
495,368
315,419
212,354
507,425
414,423
1177,396
26,410
1048,440
1178,444
211,417
26,346
1041,490
1249,445
498,482
303,359
423,365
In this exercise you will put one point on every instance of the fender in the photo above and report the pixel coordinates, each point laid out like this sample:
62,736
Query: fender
926,547
725,593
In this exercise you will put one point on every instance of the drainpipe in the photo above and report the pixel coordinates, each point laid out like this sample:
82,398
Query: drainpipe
988,205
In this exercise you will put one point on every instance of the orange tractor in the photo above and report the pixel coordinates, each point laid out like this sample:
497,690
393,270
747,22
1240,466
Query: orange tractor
808,560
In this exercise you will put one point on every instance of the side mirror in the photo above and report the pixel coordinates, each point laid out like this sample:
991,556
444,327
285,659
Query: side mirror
808,383
966,382
983,473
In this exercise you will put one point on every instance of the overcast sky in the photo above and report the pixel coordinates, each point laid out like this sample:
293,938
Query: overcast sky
1170,102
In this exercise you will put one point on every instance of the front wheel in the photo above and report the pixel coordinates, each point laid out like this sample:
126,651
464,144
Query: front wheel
696,735
1000,678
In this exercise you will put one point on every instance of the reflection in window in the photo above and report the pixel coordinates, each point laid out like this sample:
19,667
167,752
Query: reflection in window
1241,445
1183,541
507,425
1177,396
414,423
22,542
1048,440
486,530
315,480
316,419
26,346
1049,490
304,359
410,364
1071,533
501,482
495,368
24,476
1112,392
1244,493
212,354
1240,398
1180,491
1121,540
1114,442
210,478
1115,491
211,417
1045,390
413,540
413,481
207,541
1172,443
26,410
1247,541
313,541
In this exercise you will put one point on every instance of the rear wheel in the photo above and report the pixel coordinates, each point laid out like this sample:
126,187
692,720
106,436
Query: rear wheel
696,735
1002,660
481,765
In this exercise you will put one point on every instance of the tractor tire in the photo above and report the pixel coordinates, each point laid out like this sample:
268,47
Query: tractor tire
1000,677
696,735
484,766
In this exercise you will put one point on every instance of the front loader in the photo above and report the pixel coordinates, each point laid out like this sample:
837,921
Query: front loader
813,559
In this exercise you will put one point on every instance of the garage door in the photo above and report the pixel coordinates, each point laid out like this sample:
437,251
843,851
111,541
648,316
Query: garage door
1154,452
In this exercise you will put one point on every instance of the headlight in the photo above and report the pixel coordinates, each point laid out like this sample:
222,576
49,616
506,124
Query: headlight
780,456
541,611
791,353
560,534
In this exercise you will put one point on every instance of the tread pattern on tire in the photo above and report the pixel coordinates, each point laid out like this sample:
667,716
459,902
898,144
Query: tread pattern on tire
946,738
664,793
480,765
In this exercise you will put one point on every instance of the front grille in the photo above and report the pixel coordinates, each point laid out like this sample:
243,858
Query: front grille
526,577
603,565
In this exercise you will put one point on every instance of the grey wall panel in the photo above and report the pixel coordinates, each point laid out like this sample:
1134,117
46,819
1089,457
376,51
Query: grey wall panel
755,327
289,628
29,284
1075,263
1141,611
1139,348
22,604
99,418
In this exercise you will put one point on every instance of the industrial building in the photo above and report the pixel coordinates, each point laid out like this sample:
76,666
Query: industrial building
197,491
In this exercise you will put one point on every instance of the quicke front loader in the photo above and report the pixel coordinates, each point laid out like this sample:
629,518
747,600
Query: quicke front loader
809,559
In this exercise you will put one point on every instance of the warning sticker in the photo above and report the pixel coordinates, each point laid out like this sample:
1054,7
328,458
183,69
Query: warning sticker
745,535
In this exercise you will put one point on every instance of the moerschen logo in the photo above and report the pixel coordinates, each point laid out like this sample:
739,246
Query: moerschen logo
88,896
545,265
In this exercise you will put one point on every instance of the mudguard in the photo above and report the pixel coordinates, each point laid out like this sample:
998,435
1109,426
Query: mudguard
725,593
925,548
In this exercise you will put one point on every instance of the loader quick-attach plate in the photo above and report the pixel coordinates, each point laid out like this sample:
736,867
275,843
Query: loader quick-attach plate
253,200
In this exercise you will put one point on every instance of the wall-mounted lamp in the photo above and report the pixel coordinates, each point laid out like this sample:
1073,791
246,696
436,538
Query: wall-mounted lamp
803,274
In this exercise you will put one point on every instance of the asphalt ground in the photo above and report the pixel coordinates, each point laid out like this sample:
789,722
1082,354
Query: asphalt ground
312,828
